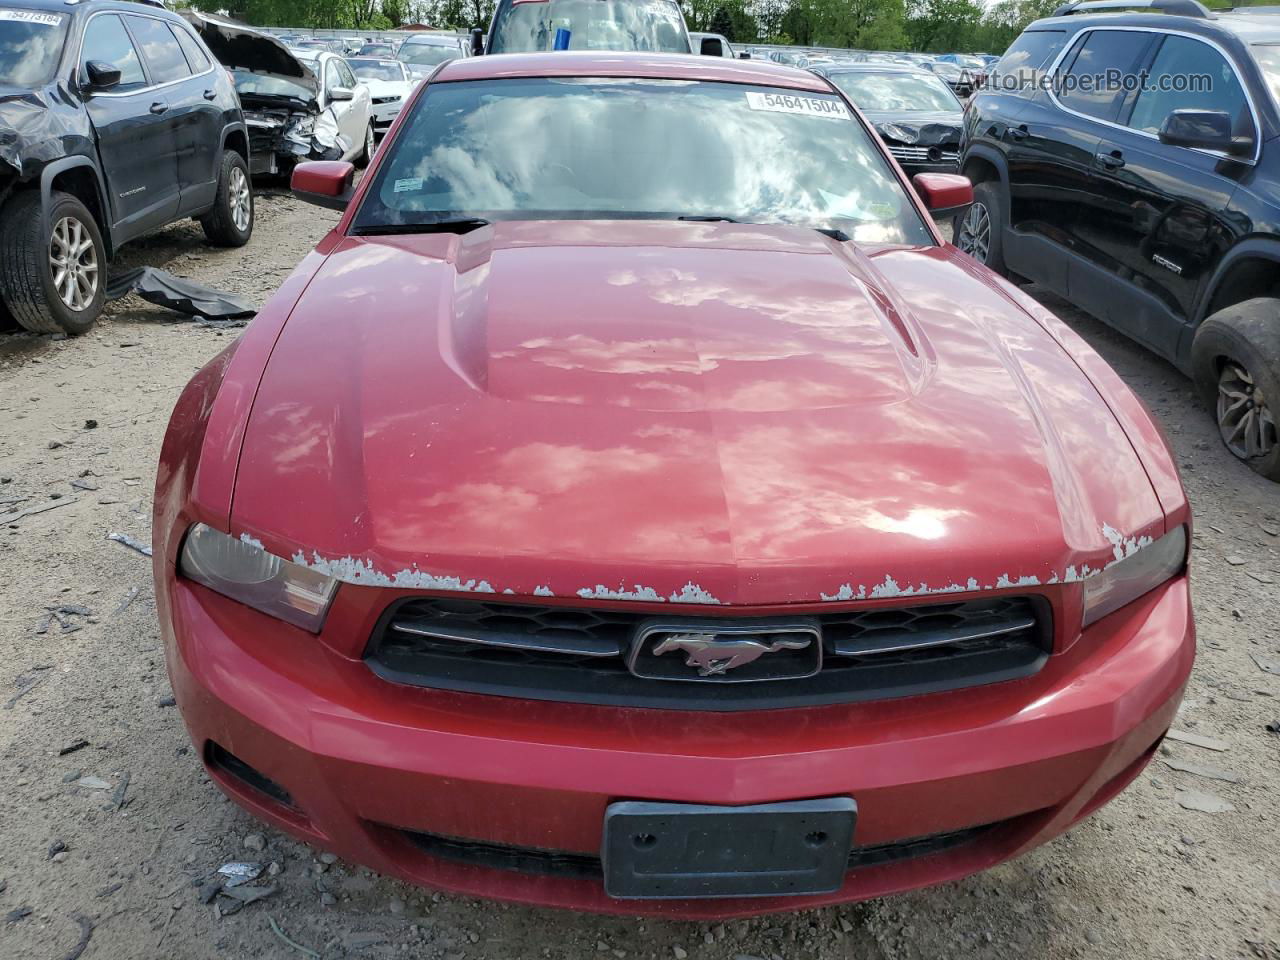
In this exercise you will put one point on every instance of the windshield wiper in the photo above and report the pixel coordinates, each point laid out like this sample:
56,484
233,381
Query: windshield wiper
709,219
456,225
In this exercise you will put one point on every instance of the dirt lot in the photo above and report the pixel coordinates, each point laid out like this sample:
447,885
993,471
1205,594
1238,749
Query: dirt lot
113,838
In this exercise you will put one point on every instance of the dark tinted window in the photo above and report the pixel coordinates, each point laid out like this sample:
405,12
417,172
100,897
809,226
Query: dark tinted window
196,57
1094,83
30,44
160,49
428,54
1198,77
1022,65
898,92
107,40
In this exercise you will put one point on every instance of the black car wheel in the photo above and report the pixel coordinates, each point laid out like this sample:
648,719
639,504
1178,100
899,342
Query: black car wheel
53,272
370,144
230,222
1236,360
978,231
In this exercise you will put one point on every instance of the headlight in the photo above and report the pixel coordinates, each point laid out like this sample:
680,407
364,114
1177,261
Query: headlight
247,573
896,132
1128,579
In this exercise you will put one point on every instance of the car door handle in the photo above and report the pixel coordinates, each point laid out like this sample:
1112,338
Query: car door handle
211,94
159,107
1112,161
1018,133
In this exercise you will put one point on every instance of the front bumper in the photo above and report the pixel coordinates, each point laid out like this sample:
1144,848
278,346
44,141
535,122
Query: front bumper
384,115
407,780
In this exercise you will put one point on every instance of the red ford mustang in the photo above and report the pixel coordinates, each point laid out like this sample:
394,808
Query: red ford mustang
635,505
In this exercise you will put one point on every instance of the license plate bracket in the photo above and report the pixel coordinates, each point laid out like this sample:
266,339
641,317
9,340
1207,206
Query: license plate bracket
656,851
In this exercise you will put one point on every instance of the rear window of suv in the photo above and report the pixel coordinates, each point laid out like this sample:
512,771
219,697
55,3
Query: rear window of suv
655,26
1022,65
30,46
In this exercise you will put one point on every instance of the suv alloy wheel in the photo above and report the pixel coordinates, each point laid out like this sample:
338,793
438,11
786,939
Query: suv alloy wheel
1236,361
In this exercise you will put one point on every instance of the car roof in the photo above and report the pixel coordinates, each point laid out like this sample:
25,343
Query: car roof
72,6
438,39
656,66
875,66
1250,24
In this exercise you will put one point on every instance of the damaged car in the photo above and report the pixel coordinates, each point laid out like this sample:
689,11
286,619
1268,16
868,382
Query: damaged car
298,105
389,83
635,504
114,122
914,111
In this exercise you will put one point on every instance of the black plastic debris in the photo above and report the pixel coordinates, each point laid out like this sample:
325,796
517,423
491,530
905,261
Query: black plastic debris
164,289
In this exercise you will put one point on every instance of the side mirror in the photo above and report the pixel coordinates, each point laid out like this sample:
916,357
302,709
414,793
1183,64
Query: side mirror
477,41
1204,130
944,194
326,183
711,47
102,75
744,55
341,93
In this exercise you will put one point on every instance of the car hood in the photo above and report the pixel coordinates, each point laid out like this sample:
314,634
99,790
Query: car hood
239,47
929,128
680,412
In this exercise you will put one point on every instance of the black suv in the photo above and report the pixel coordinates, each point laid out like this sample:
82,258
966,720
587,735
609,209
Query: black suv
1130,162
114,120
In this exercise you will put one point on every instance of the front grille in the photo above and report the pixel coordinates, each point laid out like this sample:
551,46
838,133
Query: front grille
531,860
949,153
544,652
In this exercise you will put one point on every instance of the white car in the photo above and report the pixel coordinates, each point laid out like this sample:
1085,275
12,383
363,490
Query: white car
389,83
346,106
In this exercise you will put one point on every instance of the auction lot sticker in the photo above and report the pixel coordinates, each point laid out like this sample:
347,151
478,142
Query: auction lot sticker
795,103
32,16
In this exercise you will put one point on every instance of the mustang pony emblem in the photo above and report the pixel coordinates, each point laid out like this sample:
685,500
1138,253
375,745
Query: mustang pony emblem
714,657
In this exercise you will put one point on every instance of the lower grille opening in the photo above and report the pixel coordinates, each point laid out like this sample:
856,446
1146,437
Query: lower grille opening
536,862
233,767
581,654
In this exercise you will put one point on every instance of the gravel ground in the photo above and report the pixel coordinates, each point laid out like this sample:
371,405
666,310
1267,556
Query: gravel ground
108,826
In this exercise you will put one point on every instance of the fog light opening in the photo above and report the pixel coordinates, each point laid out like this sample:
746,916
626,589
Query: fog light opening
227,763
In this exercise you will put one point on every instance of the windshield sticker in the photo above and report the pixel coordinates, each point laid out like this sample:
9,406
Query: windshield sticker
793,103
408,185
32,16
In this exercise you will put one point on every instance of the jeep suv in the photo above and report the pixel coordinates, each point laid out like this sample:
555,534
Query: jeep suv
114,120
1130,162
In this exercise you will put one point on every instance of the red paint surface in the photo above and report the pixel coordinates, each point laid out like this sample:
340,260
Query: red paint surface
759,410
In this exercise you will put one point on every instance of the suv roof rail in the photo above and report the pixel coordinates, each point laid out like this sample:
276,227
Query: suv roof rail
1182,8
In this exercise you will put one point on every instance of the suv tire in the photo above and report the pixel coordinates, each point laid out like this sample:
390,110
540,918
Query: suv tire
53,276
979,231
230,222
1235,359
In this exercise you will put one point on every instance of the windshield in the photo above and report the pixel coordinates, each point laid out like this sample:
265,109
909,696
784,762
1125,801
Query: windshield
577,148
897,92
30,45
650,25
428,54
377,70
269,85
1269,59
943,69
